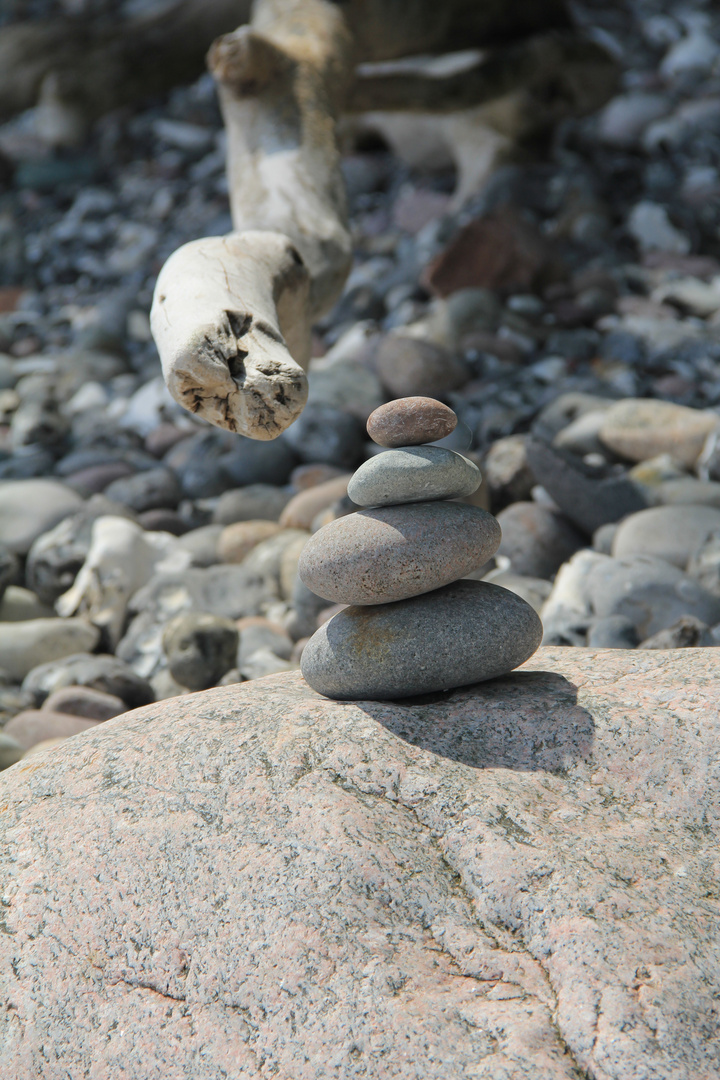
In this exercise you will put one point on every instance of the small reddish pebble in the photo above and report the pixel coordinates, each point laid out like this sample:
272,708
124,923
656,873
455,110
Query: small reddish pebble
411,421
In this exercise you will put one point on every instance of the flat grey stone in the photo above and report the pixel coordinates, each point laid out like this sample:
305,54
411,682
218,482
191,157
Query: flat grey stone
672,533
28,508
464,633
394,552
410,474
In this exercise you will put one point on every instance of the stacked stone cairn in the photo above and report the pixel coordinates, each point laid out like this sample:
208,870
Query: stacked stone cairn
415,624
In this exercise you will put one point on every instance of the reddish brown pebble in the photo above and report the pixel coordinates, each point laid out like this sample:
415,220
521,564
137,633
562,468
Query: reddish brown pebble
411,421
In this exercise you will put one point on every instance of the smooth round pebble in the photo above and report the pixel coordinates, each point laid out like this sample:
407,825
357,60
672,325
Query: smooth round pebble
200,649
36,725
413,474
237,540
257,502
417,367
29,508
100,672
536,539
327,436
463,633
642,428
84,702
306,505
672,533
154,489
24,645
411,421
394,552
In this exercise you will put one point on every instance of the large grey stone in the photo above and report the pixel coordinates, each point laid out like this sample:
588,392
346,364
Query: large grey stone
673,533
24,645
463,633
200,648
516,881
649,592
28,508
412,474
641,428
100,672
536,540
586,496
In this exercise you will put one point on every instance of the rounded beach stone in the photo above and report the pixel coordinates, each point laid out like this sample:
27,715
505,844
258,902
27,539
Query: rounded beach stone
641,428
35,725
237,540
306,505
85,702
26,644
672,533
412,474
200,648
29,508
410,421
464,633
413,366
394,552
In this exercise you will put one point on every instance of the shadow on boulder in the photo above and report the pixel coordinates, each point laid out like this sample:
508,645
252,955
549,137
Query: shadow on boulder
526,721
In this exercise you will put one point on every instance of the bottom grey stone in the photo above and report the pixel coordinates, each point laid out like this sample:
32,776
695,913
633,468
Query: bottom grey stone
460,634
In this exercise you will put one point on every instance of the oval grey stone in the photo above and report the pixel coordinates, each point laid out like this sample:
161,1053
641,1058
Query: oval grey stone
410,474
461,634
394,552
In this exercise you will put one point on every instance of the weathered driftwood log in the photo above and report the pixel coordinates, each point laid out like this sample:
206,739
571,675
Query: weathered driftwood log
98,64
231,317
559,69
481,107
228,351
231,322
102,62
281,81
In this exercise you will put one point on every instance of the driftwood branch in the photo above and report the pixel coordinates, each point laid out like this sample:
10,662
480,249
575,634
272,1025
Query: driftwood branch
231,322
559,70
98,64
281,81
231,317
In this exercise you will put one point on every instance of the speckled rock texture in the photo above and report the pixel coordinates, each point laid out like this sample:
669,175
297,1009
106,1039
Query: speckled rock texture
391,553
463,633
412,474
514,882
410,421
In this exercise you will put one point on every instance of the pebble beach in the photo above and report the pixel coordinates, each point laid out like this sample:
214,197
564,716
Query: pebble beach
569,315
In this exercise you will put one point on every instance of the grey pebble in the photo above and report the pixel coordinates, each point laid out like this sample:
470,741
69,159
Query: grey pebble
200,648
256,502
410,474
673,533
463,633
394,552
100,672
155,489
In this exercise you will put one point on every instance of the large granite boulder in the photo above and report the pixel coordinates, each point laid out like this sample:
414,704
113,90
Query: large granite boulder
516,881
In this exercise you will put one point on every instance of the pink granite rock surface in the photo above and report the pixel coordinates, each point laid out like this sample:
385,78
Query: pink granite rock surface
517,881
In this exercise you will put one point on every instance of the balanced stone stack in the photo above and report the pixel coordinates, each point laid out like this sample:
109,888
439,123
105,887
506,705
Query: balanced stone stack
414,626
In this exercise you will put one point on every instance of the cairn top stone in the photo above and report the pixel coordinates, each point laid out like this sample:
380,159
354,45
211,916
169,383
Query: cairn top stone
411,421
